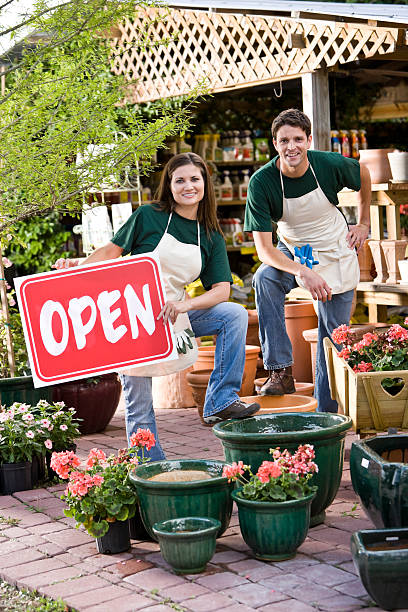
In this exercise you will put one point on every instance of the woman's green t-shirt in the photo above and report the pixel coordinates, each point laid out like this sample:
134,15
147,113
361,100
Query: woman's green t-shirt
143,231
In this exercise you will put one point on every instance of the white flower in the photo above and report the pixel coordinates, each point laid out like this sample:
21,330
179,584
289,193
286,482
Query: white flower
28,417
60,404
63,427
48,444
30,434
42,404
45,423
50,427
7,263
57,414
4,416
23,408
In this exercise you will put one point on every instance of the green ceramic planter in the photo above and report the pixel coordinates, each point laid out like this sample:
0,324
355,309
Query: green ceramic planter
161,501
249,440
274,530
379,474
21,389
187,544
381,559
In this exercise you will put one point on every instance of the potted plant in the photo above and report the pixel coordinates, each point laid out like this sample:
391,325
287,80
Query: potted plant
274,504
100,495
369,378
21,437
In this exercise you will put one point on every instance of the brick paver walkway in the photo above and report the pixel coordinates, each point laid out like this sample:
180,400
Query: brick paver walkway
45,552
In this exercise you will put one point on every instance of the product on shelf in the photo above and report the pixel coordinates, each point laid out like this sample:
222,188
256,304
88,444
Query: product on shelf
243,187
335,142
235,184
247,146
261,149
362,139
226,187
345,143
354,144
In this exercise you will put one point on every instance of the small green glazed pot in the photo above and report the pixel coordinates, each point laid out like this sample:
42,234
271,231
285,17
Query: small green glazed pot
249,440
187,544
161,501
381,559
379,476
274,530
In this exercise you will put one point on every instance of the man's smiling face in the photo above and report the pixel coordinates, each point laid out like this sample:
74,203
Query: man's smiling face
292,144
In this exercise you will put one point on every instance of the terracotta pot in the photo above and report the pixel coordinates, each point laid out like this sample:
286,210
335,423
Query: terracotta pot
95,400
379,261
205,361
172,391
300,315
253,328
301,387
399,165
377,162
198,381
365,261
393,250
282,403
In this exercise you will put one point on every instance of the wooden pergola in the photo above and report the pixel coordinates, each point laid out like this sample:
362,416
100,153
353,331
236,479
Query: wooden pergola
236,44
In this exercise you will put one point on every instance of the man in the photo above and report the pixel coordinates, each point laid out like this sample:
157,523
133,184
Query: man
317,250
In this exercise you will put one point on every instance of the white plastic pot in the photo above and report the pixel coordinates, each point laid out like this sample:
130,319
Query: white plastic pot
399,165
403,268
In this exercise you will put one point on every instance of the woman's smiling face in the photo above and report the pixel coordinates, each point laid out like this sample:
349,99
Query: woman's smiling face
187,186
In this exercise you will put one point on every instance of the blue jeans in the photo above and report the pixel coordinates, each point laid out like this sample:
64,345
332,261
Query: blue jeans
271,286
229,322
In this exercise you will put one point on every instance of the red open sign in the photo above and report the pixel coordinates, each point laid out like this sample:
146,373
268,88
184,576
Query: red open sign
94,319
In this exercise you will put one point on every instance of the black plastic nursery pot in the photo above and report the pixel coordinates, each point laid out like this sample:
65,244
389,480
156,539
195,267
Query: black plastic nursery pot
15,477
116,540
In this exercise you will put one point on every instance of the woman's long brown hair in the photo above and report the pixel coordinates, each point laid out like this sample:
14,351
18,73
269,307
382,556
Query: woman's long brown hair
207,208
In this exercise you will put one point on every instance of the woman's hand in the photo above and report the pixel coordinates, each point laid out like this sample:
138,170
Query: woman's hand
63,263
171,310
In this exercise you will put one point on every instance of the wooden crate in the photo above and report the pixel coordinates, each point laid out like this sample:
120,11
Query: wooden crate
361,396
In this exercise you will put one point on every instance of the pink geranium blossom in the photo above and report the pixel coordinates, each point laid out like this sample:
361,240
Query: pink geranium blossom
233,470
142,438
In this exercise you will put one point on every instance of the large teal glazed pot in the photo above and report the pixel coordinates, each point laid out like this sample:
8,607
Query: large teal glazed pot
379,474
273,530
381,559
187,544
161,501
249,440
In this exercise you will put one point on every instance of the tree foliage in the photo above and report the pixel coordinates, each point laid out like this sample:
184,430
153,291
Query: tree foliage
61,96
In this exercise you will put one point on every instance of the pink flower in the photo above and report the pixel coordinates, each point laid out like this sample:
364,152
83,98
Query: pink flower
363,366
6,262
340,335
97,480
95,456
232,471
63,462
143,437
396,332
63,427
28,417
344,353
268,470
30,434
406,321
48,444
368,339
45,423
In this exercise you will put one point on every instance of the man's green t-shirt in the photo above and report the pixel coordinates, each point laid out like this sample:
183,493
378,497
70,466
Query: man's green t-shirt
264,198
143,231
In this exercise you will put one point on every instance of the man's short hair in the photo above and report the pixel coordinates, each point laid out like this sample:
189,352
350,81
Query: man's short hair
293,117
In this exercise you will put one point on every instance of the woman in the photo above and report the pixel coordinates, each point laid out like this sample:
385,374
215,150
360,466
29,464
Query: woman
181,226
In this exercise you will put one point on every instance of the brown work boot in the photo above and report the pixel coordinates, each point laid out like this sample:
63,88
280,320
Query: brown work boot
279,382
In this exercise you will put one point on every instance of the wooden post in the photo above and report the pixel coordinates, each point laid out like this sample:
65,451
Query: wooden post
315,93
3,287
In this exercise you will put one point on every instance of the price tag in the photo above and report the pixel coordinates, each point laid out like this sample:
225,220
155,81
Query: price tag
365,462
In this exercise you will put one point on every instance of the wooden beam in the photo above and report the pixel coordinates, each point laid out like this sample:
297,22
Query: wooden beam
315,93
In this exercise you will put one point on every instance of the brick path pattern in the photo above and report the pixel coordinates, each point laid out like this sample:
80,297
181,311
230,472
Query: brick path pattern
45,552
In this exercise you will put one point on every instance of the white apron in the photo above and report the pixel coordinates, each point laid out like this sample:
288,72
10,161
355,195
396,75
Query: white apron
181,264
313,219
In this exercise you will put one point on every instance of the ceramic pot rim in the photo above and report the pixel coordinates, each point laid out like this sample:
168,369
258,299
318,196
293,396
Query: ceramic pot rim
373,455
293,436
266,504
186,485
358,538
212,528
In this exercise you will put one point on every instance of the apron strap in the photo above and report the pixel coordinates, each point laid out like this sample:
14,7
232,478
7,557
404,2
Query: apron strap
198,230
